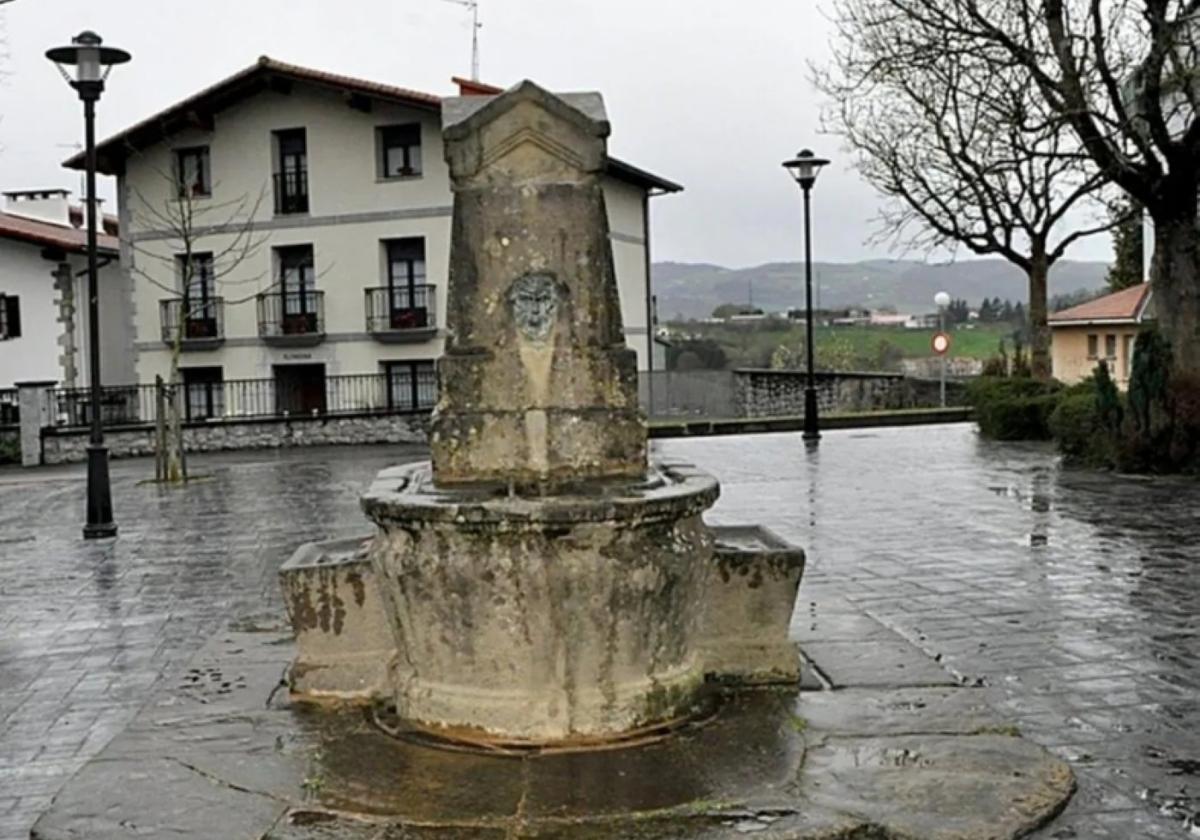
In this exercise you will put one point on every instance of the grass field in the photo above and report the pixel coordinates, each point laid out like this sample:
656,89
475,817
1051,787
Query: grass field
752,344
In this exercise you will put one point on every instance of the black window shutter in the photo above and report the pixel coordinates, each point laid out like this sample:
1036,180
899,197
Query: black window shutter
13,316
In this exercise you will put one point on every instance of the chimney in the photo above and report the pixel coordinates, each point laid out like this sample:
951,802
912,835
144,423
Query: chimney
51,206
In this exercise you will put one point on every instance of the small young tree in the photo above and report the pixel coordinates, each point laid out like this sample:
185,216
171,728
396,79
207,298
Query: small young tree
954,134
196,242
1126,269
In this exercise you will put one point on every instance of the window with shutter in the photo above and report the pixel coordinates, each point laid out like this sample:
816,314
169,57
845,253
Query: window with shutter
10,317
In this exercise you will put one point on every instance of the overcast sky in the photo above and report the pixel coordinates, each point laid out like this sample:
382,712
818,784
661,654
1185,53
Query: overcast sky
711,94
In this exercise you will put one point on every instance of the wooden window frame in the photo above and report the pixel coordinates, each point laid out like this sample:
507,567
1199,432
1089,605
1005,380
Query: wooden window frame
404,137
204,165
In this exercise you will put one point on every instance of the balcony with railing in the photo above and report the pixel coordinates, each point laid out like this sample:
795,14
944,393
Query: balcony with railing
401,313
292,319
291,192
197,324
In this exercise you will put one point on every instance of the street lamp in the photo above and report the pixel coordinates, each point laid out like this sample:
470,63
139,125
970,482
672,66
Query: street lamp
92,62
804,168
942,299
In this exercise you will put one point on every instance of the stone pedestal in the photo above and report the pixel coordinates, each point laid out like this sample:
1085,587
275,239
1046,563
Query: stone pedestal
537,386
36,402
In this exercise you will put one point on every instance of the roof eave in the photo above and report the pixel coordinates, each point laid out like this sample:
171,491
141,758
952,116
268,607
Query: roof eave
112,152
631,174
1094,322
49,242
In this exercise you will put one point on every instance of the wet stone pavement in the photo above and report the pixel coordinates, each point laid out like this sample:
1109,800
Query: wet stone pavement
1069,597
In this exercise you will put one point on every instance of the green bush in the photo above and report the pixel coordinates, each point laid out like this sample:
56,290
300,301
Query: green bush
1075,425
1013,408
1087,422
10,451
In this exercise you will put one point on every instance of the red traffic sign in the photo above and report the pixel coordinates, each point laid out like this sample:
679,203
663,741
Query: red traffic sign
941,343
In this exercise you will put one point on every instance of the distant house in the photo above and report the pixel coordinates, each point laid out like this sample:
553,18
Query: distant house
43,294
1103,328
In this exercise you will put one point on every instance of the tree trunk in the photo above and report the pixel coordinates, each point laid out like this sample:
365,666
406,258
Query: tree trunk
173,439
1175,274
1039,331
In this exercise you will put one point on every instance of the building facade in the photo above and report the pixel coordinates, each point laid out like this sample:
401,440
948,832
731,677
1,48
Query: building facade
308,216
43,295
1103,329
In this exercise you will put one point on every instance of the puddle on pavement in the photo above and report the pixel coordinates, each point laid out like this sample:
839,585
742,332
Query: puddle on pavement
748,749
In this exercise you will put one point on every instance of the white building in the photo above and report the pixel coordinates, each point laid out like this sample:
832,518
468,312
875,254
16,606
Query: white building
43,295
355,222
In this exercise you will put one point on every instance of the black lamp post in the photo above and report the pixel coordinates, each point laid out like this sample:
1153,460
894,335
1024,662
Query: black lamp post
92,63
804,168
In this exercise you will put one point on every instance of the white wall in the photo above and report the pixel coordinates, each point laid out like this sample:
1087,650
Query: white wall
118,362
350,213
626,221
33,356
38,353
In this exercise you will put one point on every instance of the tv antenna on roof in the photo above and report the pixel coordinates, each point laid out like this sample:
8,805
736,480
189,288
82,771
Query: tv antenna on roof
473,5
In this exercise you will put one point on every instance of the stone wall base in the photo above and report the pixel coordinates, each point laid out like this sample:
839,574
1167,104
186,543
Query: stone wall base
66,447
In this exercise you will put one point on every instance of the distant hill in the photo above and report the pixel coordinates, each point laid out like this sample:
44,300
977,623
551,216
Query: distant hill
693,290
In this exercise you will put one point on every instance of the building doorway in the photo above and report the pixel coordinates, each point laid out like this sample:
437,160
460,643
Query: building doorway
300,389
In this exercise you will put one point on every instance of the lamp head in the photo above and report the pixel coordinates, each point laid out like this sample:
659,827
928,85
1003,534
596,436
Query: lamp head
805,167
91,59
942,299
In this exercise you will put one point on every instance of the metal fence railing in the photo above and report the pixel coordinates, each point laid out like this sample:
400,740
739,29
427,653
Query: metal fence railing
240,399
10,407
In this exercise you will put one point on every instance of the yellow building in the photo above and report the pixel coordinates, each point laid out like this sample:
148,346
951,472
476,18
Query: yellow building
1104,328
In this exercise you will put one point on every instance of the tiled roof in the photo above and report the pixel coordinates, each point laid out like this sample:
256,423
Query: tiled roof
199,108
48,234
1125,305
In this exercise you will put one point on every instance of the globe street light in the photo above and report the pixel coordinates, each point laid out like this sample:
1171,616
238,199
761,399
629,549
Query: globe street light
942,299
804,168
92,62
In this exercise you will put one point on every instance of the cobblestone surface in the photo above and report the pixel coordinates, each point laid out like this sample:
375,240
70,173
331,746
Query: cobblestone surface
1070,596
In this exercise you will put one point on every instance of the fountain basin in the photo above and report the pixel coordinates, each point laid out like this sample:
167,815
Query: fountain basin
544,618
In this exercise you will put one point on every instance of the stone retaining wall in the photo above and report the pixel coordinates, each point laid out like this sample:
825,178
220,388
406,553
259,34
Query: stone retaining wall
61,446
780,393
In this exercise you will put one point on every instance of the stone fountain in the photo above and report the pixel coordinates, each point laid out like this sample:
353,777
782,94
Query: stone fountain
542,638
540,580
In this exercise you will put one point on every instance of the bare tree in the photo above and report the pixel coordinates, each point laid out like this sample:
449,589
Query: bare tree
957,138
1123,75
194,243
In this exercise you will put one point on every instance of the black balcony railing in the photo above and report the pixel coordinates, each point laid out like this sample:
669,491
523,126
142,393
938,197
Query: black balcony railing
253,399
194,322
292,317
291,191
401,311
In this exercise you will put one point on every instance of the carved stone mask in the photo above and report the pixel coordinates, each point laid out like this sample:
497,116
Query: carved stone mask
534,300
